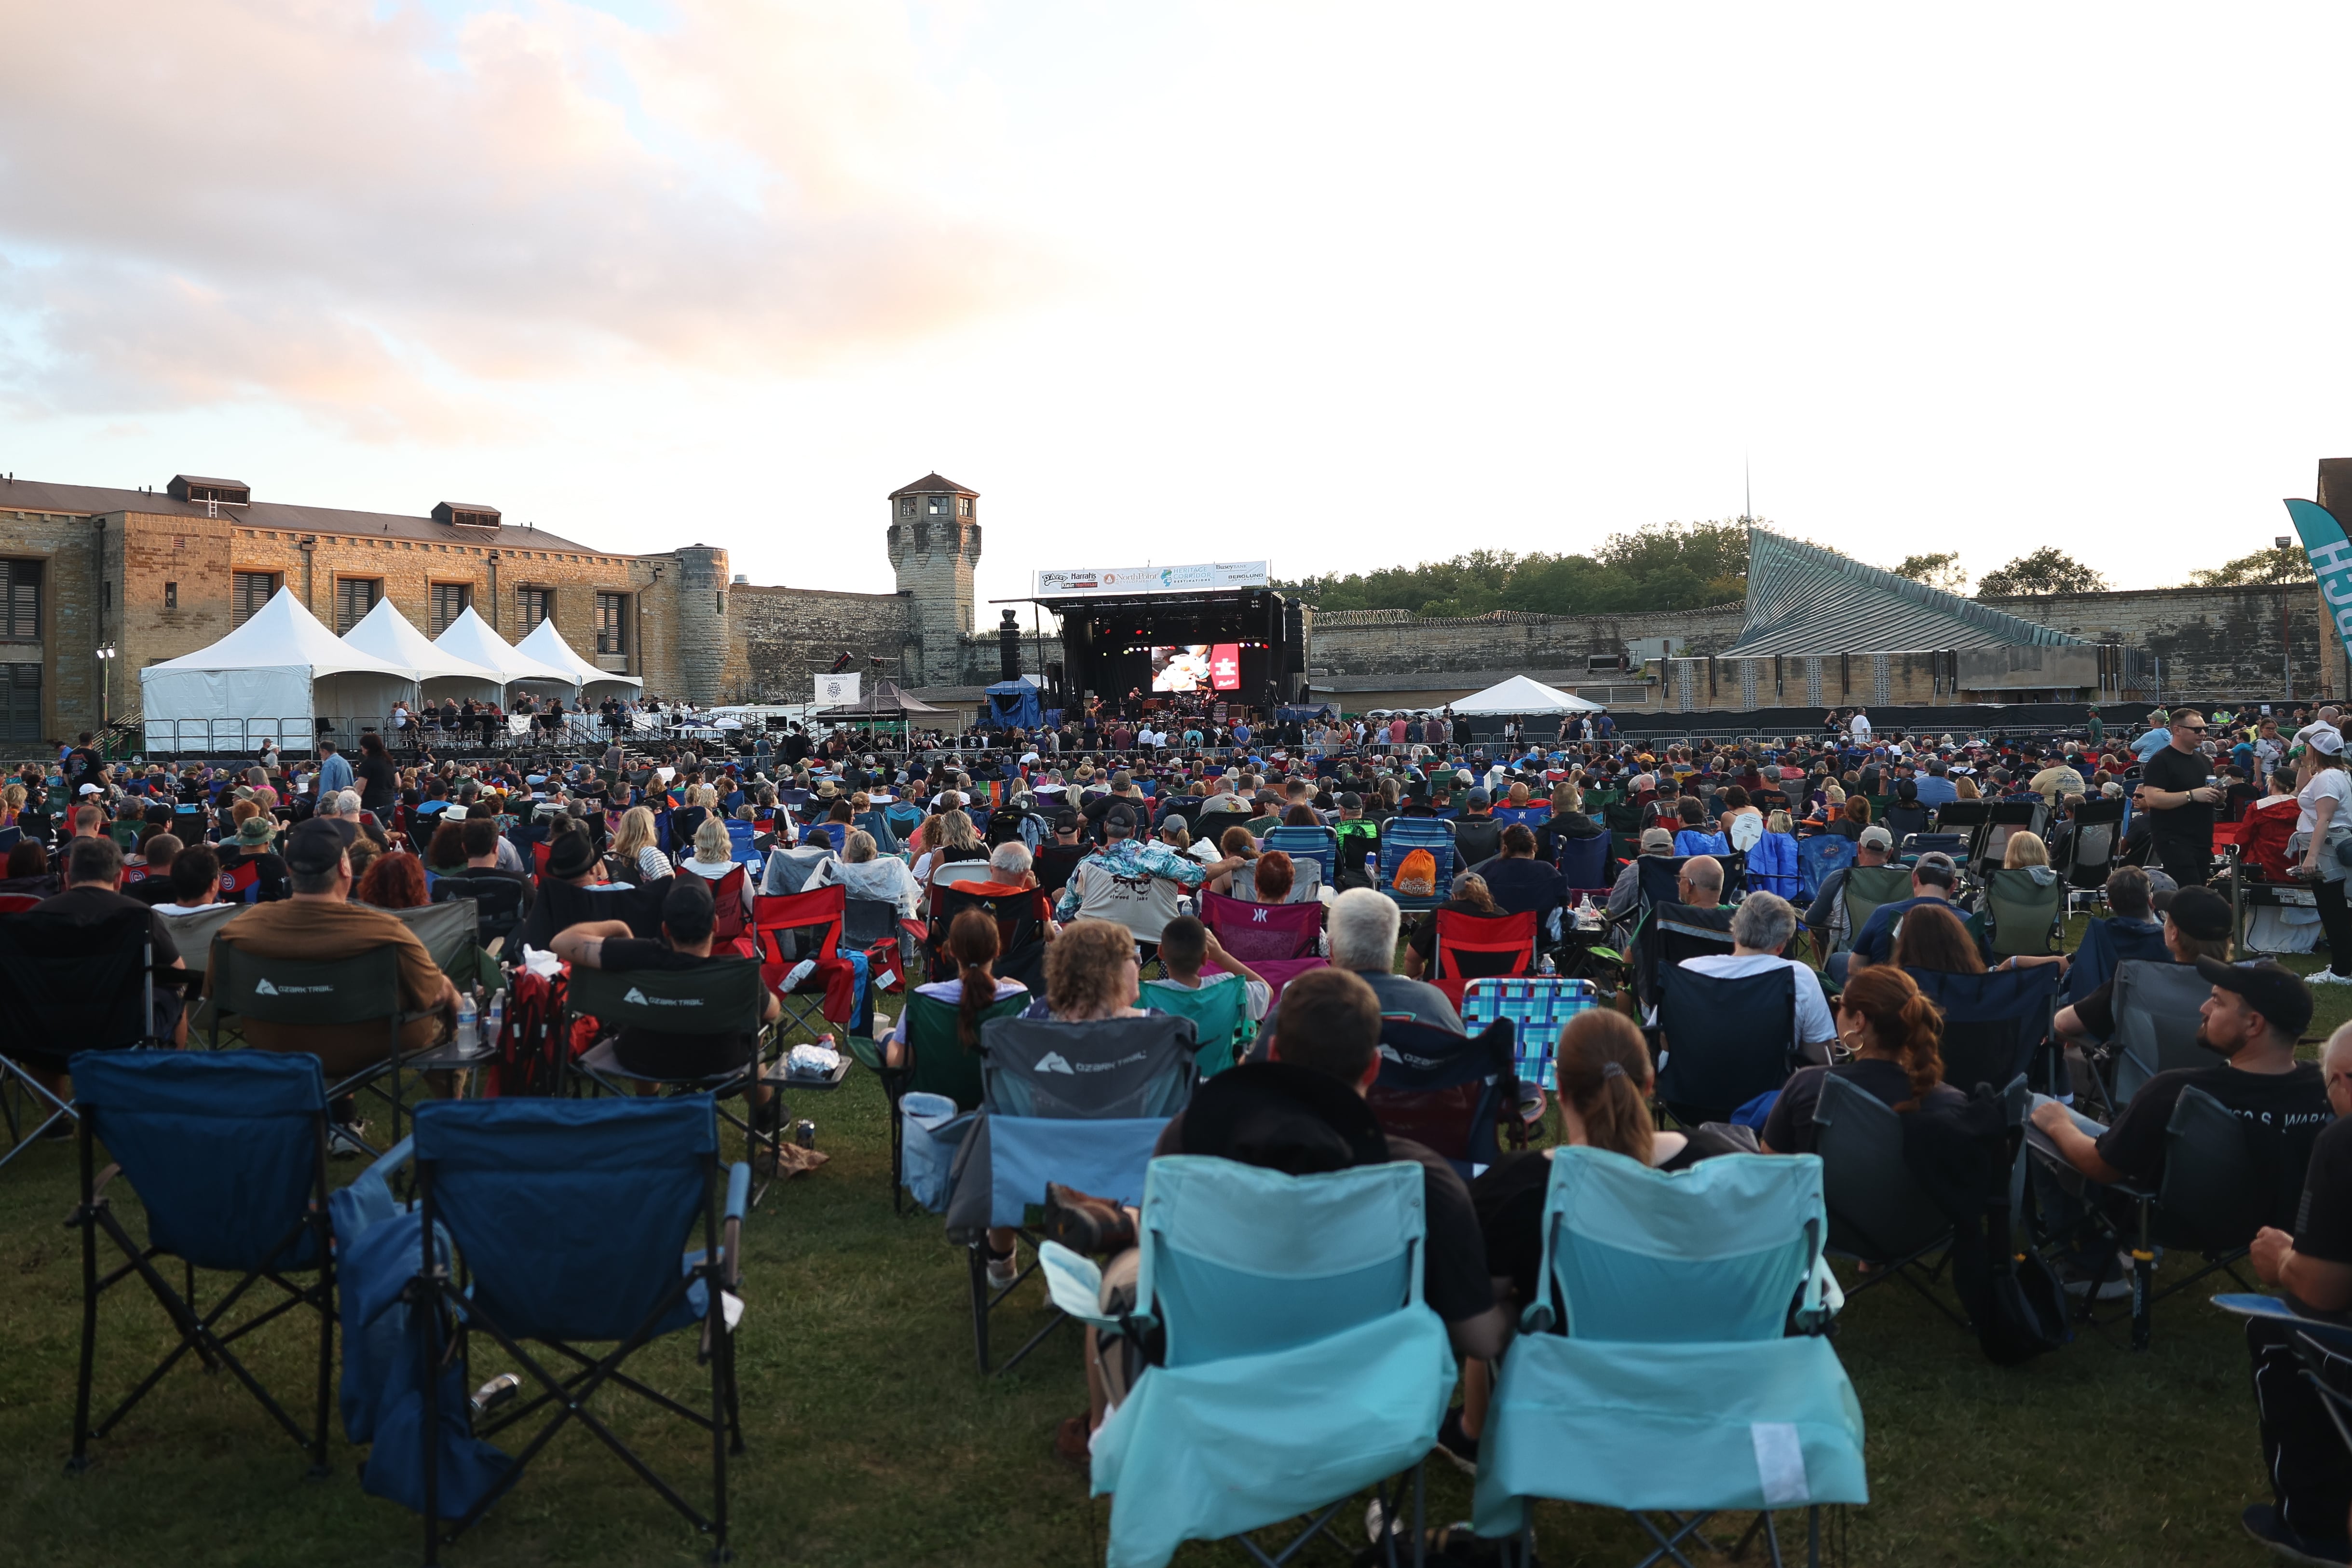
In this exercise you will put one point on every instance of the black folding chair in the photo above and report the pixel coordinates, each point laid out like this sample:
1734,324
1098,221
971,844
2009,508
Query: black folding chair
1878,1211
67,985
1723,1040
497,904
298,992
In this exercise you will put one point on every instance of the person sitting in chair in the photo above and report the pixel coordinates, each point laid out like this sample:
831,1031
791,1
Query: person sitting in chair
1933,877
974,943
1363,936
688,919
1187,944
1762,926
1894,1036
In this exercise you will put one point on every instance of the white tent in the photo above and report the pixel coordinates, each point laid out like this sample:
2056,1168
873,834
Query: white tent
546,645
1523,698
389,636
270,677
469,637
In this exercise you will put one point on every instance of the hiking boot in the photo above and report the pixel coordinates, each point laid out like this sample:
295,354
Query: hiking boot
1086,1223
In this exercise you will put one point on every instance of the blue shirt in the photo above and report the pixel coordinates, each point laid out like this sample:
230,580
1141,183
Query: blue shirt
334,774
1877,938
2153,742
1934,791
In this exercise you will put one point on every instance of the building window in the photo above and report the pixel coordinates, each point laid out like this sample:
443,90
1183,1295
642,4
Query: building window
534,606
612,623
249,592
937,505
355,597
20,601
20,697
964,506
171,595
449,601
905,506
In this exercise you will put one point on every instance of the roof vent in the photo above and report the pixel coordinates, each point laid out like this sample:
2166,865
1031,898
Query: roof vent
465,514
743,578
219,492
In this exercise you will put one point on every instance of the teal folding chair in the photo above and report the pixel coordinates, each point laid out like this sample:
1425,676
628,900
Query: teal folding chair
1656,1375
1296,1361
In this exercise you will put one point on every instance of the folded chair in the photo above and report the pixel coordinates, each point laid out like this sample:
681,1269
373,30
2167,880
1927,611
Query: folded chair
1538,1008
1078,1104
1220,1015
66,987
363,989
1657,1374
1878,1213
722,998
573,1221
1296,1361
228,1151
938,1063
1444,1090
1723,1040
2097,834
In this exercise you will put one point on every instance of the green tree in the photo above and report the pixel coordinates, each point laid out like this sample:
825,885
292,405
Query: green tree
1942,570
1664,566
2048,570
2280,564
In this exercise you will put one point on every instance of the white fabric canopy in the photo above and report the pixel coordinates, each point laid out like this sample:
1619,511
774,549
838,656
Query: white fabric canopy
546,645
389,636
1521,696
469,637
281,664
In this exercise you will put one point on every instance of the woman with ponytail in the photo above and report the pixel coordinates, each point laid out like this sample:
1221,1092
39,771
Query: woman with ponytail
974,943
1892,1038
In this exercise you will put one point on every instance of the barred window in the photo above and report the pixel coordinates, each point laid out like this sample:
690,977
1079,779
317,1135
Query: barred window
533,605
613,622
20,600
355,597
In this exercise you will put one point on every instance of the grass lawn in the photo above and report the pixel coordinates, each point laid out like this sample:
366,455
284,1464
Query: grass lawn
873,1440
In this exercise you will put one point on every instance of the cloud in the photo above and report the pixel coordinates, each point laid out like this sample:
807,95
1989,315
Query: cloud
375,217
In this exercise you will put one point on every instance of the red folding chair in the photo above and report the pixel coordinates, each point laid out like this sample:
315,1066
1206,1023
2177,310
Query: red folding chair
539,853
1253,931
18,903
730,931
828,992
1481,947
241,883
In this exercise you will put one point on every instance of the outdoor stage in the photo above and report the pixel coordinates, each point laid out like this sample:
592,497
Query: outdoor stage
1215,632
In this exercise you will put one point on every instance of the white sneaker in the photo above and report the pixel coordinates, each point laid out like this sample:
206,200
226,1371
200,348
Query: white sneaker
2326,978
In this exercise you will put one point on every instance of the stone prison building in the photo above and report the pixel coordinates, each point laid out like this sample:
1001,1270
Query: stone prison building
153,573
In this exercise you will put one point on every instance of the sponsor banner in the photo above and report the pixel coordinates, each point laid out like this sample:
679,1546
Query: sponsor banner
1113,579
837,691
1226,667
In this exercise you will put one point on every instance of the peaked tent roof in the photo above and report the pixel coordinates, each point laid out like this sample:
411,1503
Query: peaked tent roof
389,636
546,645
931,484
885,701
1805,599
282,635
1521,695
470,638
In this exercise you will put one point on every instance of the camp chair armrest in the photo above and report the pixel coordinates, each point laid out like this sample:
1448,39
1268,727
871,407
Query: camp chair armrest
1074,1283
401,1153
867,1052
738,1190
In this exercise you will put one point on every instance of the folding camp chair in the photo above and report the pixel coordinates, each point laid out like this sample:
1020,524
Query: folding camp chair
1481,947
788,929
1253,931
1054,862
1584,864
2021,912
361,989
2156,1012
67,987
2002,820
1286,1315
1723,1040
227,1152
450,931
1864,888
1305,883
2091,845
1818,854
1400,836
1901,821
1672,933
1319,845
571,1220
1357,841
1993,1021
1079,1104
1657,1374
1220,1015
2212,1198
1878,1211
939,1064
1020,933
2109,942
496,901
1964,817
1444,1090
1538,1008
724,997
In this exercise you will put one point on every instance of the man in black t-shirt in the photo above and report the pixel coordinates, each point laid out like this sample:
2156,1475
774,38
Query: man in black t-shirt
2311,1475
93,894
2179,803
688,917
2252,1018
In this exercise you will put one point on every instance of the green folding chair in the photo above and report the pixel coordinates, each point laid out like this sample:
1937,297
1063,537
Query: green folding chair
1220,1015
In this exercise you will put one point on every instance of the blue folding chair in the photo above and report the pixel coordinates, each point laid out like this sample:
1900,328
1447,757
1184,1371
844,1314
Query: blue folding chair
1817,857
740,847
1297,1363
573,1221
228,1151
1656,1375
1539,1007
1583,863
1321,844
1400,836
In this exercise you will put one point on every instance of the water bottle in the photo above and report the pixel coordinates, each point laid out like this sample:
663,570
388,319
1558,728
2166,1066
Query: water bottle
1547,968
496,1030
468,1036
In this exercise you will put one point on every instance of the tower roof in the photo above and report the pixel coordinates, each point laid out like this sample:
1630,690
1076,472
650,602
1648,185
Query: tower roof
932,485
1805,599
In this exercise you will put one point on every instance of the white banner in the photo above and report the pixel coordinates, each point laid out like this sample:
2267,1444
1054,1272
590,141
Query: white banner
837,691
1211,575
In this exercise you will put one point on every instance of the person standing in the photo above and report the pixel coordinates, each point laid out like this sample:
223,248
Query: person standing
1860,728
2179,802
2098,728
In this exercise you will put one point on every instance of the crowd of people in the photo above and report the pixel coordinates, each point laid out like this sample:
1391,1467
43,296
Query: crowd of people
1112,831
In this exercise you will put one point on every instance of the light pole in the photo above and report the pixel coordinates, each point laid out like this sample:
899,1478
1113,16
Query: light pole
2286,639
106,655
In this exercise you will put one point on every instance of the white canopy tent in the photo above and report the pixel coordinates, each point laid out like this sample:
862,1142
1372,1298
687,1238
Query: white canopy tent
1522,698
274,678
470,638
389,636
546,645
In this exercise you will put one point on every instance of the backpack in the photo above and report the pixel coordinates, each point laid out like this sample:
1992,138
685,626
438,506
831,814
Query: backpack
1416,875
1004,827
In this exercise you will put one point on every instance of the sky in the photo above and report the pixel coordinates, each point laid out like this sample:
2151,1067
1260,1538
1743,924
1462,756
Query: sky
1337,286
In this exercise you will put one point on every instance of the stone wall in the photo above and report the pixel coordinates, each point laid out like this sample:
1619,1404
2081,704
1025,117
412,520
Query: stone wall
787,636
72,622
1396,642
2213,642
